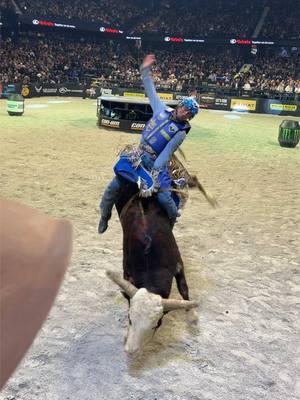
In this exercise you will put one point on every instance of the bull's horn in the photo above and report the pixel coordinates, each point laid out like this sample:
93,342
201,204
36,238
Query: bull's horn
128,287
171,304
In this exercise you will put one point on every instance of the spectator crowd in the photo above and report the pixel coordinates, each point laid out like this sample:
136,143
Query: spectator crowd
202,18
54,59
109,12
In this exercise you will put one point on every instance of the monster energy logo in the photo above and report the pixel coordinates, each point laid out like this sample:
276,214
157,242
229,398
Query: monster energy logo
290,134
15,106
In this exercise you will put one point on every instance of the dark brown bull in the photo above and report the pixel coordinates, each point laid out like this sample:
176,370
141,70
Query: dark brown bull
151,259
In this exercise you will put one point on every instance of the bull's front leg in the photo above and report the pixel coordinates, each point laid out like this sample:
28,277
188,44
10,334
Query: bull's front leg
192,315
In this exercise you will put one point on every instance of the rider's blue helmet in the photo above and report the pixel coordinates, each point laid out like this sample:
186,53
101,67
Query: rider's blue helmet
191,104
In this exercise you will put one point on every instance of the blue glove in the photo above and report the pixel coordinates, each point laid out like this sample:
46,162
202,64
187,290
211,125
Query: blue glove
181,182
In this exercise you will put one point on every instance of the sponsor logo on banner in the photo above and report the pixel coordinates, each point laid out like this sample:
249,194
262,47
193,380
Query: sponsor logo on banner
64,90
283,107
133,94
165,96
240,41
195,40
133,37
111,124
137,126
49,90
52,24
109,30
174,39
243,105
38,89
25,91
207,100
221,102
262,42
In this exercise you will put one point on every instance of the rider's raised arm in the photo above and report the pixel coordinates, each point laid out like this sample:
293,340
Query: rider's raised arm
169,150
156,104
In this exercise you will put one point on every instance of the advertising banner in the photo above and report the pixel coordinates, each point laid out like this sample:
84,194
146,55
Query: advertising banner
162,96
165,96
207,100
137,126
134,94
123,125
113,32
109,123
243,105
48,89
70,89
281,107
221,103
45,89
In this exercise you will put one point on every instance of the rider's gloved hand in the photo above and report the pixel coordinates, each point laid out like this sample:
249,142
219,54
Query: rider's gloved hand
181,182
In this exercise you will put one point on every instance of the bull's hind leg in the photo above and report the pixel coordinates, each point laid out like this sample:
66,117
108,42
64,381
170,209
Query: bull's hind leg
181,282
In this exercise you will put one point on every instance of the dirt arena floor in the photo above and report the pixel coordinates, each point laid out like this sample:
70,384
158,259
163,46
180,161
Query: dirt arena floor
242,262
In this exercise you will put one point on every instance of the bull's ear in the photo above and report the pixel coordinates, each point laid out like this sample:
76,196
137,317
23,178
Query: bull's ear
171,304
117,278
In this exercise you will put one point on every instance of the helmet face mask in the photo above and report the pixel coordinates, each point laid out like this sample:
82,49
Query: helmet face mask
187,107
183,113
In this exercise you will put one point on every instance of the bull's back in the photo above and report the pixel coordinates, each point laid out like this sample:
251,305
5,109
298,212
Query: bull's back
150,251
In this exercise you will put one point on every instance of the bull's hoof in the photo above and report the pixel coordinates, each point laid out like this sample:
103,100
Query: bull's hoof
192,317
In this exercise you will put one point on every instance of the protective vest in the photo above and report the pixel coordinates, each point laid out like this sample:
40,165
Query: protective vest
160,129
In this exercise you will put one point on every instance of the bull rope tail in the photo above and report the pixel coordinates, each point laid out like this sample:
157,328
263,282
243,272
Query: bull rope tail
209,197
128,204
177,170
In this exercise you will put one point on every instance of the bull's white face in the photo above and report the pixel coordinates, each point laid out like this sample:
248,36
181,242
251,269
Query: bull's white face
144,314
